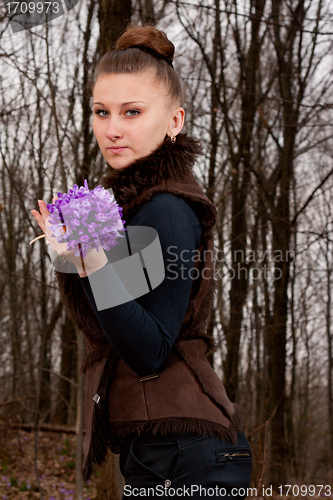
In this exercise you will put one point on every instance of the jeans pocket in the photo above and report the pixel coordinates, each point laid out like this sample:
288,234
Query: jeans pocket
236,455
236,467
159,457
150,461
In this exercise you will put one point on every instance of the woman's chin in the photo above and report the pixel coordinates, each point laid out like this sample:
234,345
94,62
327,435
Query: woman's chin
119,165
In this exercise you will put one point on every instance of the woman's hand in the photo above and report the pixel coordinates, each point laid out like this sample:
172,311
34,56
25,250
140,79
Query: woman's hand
94,260
44,224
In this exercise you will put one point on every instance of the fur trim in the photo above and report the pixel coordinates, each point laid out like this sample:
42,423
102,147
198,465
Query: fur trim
181,425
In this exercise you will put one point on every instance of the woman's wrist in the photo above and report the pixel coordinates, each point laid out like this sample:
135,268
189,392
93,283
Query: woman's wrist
91,262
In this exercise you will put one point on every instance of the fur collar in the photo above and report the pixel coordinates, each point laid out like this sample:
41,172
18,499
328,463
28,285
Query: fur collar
169,160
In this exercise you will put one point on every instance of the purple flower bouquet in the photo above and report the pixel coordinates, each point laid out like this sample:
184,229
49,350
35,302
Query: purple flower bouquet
86,219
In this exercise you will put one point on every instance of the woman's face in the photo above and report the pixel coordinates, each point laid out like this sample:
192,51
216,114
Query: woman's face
132,115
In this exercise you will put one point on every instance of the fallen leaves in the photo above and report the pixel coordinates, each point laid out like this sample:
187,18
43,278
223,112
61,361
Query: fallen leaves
55,465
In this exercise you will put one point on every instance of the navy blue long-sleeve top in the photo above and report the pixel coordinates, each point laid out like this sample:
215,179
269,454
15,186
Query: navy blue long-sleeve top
143,330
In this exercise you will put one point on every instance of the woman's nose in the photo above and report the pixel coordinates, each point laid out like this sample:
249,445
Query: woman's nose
113,130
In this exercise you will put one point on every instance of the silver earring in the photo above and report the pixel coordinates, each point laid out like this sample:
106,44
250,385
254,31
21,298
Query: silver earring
173,139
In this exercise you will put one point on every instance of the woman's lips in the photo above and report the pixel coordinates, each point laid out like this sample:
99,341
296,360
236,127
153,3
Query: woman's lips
116,150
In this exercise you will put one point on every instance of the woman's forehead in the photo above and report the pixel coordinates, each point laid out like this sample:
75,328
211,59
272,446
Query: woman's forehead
129,86
128,80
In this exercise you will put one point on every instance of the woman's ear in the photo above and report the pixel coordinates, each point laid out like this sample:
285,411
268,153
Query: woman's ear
177,121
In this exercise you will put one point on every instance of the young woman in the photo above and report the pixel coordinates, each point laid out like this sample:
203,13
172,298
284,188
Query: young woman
151,394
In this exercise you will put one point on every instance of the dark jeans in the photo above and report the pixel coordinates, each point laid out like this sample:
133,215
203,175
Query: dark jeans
185,466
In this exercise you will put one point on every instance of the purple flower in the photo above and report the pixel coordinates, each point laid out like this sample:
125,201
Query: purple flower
86,219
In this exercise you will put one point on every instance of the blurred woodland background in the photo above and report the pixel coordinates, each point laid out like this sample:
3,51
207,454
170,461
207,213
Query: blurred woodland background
258,81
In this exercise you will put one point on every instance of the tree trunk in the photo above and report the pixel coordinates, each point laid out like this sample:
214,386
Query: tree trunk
113,17
110,483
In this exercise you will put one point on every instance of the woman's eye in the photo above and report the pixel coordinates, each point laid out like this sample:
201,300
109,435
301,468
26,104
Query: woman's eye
100,112
133,112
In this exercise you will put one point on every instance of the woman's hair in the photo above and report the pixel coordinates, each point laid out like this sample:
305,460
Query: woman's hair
142,48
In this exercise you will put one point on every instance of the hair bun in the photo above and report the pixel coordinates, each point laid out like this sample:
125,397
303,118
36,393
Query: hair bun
149,47
149,39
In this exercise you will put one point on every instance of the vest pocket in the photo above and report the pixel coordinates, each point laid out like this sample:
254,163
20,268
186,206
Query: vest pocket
223,456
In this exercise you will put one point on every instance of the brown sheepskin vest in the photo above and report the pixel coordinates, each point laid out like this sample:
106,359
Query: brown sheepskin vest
185,394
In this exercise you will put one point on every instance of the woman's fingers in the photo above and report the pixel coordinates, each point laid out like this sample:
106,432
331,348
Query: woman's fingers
42,216
39,219
43,209
42,219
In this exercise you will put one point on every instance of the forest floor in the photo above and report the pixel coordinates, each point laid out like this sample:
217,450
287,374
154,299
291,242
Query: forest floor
55,465
56,469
